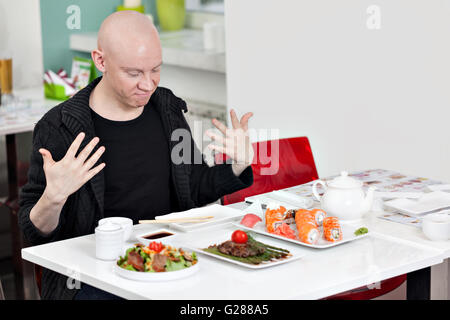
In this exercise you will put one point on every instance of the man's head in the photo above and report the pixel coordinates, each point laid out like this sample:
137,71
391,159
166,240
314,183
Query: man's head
129,56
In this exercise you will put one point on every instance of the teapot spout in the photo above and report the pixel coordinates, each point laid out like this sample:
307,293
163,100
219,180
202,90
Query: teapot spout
368,201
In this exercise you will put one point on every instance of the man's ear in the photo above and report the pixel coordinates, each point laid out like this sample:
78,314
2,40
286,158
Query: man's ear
99,60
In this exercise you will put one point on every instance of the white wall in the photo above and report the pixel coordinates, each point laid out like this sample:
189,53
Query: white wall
365,98
20,37
195,84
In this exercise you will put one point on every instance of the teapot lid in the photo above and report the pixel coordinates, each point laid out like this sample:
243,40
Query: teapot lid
345,182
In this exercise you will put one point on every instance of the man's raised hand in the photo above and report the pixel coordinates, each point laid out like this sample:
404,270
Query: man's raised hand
235,142
66,176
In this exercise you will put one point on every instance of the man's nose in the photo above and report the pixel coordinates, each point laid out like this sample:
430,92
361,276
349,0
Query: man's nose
146,83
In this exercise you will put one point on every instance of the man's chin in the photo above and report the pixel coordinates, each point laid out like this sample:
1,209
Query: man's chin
138,103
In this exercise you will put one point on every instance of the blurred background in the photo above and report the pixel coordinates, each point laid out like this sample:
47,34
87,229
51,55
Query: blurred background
367,81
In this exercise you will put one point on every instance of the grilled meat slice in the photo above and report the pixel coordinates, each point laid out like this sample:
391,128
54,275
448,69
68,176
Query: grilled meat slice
187,256
242,250
136,260
159,262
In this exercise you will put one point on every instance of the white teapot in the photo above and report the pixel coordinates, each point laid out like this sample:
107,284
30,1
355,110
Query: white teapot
344,197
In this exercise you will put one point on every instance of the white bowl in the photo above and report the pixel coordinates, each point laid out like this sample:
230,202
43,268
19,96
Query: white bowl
163,240
125,223
436,226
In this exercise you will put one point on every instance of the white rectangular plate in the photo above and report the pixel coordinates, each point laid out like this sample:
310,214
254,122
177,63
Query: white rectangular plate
284,198
439,187
398,195
222,214
427,203
211,236
348,234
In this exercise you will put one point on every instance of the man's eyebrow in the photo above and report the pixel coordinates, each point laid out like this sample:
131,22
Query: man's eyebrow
131,69
159,65
137,69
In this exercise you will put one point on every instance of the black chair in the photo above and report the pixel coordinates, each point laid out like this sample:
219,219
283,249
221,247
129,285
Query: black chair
2,295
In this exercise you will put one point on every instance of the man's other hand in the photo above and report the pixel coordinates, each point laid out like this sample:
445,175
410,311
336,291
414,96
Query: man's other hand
235,142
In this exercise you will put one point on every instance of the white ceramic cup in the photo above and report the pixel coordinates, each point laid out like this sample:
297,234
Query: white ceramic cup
126,223
108,241
436,226
214,37
209,35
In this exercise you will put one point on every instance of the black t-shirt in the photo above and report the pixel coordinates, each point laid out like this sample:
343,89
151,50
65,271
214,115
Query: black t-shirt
137,171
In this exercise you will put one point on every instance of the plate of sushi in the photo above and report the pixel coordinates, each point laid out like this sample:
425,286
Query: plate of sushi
307,227
244,248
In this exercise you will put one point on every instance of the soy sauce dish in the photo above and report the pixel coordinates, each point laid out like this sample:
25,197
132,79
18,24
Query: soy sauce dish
164,235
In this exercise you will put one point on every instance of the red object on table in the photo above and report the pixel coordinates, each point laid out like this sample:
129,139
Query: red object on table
279,164
295,162
364,293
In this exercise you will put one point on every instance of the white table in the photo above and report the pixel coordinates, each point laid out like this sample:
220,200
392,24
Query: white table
321,273
420,280
20,119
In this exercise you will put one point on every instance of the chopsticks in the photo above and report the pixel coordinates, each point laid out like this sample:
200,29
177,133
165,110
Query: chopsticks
180,220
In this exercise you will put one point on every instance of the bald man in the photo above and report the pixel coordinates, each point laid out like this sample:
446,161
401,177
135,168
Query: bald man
111,150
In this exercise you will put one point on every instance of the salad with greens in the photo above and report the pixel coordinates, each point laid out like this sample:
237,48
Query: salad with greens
156,257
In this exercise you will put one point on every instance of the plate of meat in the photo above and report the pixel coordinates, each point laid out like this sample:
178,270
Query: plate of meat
247,249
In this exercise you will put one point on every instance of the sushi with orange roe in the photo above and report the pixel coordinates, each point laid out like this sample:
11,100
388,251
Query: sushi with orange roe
274,217
319,215
315,215
330,221
303,216
332,230
308,232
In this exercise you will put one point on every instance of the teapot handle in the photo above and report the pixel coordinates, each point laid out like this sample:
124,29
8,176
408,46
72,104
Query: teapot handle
314,189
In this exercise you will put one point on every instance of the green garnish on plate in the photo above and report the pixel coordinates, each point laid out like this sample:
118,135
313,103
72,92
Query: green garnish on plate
361,231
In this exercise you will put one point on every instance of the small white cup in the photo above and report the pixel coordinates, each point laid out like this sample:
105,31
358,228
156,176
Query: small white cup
126,223
214,37
436,226
108,241
209,35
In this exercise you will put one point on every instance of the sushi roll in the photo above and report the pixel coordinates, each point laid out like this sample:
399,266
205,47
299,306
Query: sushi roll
332,230
304,216
319,215
308,233
274,217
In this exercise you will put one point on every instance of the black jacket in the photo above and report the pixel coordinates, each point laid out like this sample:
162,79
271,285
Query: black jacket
194,184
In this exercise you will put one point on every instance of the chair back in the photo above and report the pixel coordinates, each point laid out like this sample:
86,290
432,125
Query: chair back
2,294
279,164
